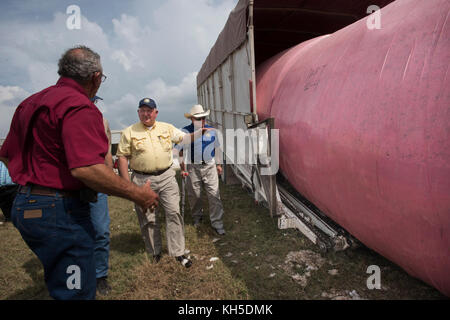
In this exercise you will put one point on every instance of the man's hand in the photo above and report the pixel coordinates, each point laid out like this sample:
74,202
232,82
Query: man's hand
184,173
204,130
147,198
102,179
219,169
197,134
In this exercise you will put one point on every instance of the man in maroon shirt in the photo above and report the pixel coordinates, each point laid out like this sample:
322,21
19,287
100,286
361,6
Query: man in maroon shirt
55,150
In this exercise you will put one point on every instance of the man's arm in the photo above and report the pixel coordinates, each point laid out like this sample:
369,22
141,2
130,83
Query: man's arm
109,160
108,157
102,179
217,153
123,167
189,138
181,161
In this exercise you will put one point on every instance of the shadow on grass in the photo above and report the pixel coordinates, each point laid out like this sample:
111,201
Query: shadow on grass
37,290
130,243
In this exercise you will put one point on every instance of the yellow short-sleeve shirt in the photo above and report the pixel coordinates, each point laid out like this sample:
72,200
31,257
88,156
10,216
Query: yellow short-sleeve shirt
149,150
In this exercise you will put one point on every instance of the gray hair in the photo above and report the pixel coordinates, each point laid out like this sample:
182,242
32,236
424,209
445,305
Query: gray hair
79,63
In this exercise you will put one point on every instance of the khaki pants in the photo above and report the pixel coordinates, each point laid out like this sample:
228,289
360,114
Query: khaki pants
199,175
166,186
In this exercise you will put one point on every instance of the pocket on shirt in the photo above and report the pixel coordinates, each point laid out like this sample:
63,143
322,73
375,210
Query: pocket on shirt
138,143
166,141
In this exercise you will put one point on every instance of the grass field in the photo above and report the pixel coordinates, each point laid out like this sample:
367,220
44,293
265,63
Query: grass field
256,260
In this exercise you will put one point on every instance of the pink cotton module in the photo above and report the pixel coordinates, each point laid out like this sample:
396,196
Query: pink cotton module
364,131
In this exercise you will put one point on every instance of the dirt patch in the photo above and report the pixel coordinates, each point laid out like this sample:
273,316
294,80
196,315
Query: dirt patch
300,264
334,294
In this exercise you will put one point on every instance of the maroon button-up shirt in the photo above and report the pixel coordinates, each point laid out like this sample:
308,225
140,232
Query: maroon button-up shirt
53,131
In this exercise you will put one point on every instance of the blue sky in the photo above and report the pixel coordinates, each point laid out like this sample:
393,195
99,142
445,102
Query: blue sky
148,47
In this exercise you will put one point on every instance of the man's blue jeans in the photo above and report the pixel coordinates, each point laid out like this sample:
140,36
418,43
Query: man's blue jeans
59,231
100,221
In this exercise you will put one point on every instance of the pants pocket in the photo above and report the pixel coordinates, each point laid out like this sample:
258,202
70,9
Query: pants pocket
35,217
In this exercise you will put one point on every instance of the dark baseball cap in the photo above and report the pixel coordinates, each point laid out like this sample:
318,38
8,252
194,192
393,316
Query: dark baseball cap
148,103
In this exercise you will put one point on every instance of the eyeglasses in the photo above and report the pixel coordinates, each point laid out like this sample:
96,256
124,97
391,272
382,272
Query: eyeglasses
202,118
103,76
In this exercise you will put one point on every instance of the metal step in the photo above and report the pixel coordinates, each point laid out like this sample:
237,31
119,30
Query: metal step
310,224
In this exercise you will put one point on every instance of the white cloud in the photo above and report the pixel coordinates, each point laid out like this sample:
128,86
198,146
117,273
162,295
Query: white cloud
178,40
172,95
122,58
10,94
197,26
10,98
172,101
42,75
122,112
129,29
154,49
34,49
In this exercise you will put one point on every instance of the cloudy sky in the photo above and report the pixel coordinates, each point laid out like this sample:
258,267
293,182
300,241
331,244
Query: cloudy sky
149,48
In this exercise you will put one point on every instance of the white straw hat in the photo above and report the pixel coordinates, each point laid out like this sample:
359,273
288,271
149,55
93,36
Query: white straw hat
197,112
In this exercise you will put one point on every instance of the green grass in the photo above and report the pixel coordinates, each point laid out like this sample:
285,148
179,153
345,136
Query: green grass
251,262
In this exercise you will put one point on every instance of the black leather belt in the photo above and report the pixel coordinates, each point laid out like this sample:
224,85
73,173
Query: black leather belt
154,173
45,191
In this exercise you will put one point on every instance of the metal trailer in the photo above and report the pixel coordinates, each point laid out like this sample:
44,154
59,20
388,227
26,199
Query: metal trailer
226,85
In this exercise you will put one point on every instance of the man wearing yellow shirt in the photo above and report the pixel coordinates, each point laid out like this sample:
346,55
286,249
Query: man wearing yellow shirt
148,146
